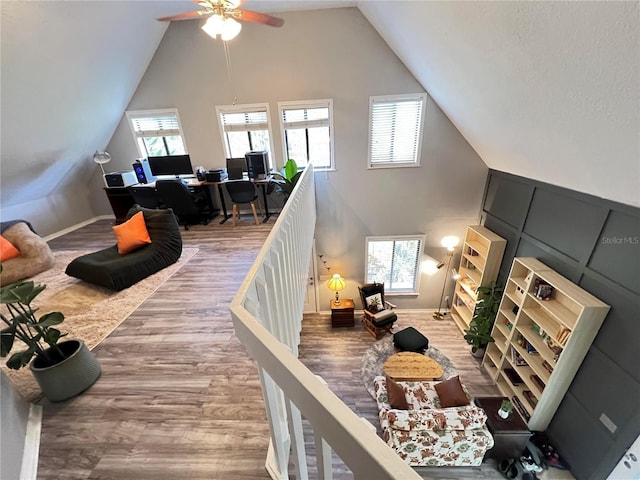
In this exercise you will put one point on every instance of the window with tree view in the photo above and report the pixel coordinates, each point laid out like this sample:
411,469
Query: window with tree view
307,132
394,261
244,128
157,132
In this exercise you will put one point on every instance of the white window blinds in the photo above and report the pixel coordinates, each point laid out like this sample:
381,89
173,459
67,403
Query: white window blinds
395,130
244,121
305,117
394,261
155,124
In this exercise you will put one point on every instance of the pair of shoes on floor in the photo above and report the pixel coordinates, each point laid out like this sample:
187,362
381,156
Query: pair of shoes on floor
512,468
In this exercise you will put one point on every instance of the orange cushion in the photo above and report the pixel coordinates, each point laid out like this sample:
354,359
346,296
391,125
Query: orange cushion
395,395
132,234
7,250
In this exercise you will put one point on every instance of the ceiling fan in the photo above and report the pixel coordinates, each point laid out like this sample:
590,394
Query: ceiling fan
222,16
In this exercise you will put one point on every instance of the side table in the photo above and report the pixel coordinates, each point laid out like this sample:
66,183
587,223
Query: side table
342,314
509,434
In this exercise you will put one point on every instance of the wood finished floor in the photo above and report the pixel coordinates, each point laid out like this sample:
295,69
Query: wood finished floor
180,399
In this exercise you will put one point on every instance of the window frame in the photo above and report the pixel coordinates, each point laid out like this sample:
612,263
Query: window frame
245,108
133,114
417,272
301,104
380,99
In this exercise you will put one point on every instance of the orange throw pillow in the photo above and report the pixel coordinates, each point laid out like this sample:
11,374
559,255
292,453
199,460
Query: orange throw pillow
7,250
132,234
395,395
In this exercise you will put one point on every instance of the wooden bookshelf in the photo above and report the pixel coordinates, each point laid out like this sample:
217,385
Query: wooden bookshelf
544,340
482,253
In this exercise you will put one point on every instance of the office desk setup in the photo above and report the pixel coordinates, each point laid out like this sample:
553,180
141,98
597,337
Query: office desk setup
262,183
121,199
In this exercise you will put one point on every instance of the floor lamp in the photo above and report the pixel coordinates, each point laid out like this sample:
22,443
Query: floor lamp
450,242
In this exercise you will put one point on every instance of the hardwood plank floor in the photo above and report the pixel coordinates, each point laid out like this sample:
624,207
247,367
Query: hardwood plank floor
180,399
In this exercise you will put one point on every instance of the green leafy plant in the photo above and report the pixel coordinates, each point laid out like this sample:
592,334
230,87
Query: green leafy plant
506,406
38,334
287,178
479,333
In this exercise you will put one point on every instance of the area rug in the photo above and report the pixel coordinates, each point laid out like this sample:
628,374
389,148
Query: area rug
91,312
375,356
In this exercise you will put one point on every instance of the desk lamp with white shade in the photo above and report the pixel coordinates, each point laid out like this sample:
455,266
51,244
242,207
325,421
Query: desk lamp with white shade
101,158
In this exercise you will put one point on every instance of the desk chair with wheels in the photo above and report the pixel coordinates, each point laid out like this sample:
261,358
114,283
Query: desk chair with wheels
146,197
242,191
190,209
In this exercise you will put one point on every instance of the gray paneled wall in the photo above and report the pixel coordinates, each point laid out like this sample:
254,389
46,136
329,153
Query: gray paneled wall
596,244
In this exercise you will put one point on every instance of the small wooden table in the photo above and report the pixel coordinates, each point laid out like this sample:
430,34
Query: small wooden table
510,434
342,315
411,366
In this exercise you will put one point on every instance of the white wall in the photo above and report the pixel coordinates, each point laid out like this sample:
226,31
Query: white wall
320,54
14,416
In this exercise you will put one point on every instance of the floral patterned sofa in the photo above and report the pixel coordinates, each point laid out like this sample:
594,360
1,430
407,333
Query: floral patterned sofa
426,434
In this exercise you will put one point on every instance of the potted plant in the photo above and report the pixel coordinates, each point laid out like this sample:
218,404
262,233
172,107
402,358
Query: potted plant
62,369
505,408
479,333
287,178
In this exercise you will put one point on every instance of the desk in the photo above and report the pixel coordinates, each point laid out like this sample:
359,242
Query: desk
263,184
121,200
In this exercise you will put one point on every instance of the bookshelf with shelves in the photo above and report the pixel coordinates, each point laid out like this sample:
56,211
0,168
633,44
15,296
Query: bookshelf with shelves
543,330
482,253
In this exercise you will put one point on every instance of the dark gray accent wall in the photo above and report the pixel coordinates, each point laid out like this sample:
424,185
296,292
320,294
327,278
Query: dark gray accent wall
596,244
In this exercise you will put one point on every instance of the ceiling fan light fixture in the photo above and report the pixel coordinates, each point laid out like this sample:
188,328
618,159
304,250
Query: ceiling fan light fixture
230,29
214,26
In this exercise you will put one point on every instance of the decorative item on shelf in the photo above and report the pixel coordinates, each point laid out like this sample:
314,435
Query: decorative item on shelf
336,283
450,242
478,335
506,407
542,290
62,369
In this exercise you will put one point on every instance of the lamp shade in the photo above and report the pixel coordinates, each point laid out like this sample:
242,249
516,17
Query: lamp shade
450,242
336,283
101,157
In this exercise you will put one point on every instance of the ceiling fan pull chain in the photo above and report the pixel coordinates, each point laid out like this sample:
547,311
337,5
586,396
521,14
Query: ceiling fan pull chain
227,55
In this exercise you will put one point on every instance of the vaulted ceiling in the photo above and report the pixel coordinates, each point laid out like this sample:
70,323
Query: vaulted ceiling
546,90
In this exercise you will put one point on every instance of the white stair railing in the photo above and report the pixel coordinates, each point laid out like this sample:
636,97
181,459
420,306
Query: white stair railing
267,318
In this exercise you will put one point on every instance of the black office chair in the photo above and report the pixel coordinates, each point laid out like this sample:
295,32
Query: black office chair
190,209
242,191
146,197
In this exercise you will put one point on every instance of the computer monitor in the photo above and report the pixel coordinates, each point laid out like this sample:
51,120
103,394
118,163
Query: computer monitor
175,165
236,167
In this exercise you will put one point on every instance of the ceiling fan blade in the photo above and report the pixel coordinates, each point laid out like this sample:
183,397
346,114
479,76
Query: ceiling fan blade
186,16
249,16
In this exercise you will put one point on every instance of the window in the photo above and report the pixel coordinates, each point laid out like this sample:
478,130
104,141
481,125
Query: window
307,132
395,130
245,128
157,132
394,261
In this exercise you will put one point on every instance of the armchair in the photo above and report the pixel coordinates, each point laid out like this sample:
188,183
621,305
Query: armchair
378,316
428,435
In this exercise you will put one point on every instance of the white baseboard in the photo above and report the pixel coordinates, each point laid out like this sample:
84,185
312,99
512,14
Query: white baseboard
77,226
29,468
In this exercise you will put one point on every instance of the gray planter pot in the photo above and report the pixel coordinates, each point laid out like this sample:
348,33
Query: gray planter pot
71,376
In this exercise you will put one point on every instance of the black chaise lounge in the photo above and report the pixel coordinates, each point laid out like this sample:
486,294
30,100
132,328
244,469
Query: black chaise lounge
109,269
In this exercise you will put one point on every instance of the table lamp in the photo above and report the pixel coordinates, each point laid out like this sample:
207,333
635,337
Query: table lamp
335,284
